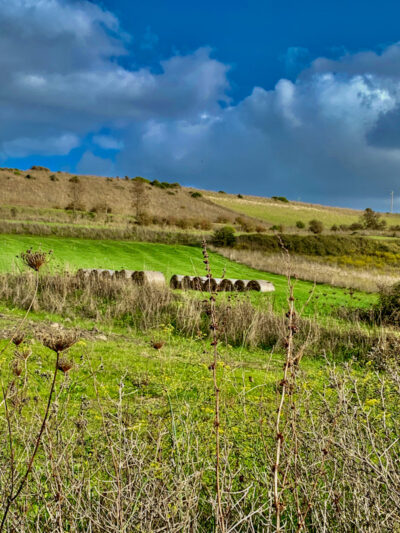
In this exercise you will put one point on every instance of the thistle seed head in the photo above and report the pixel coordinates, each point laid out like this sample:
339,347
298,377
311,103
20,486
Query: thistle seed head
60,340
18,339
65,365
35,260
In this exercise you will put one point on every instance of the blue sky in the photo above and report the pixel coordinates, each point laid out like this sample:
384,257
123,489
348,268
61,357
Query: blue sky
300,99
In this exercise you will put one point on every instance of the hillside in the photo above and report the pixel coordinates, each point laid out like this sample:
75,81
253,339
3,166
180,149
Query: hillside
288,213
39,188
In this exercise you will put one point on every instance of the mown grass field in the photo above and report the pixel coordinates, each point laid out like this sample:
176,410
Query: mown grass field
288,214
175,259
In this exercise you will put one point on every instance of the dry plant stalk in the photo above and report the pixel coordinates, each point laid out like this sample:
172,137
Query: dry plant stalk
57,343
219,518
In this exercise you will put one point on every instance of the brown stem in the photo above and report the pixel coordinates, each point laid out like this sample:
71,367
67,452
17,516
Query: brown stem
13,497
219,518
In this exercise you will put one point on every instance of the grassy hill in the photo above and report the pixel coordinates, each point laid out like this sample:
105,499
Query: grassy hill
288,213
40,195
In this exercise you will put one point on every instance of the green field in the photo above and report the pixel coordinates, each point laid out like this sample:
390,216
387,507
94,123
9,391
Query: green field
289,213
174,259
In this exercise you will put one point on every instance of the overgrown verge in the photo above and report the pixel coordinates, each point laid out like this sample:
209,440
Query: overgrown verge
134,233
144,308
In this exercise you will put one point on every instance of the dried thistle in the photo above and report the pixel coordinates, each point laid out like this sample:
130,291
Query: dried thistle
35,260
18,338
65,365
23,353
16,368
59,341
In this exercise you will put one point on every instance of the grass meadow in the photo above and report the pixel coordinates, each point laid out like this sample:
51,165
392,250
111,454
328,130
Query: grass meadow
287,214
135,409
72,254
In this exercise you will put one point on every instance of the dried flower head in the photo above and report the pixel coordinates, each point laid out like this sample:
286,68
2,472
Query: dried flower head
60,340
18,338
23,353
16,367
35,260
65,365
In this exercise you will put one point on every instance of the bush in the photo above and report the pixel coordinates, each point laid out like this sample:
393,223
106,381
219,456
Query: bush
260,229
53,177
334,228
300,224
143,219
280,199
196,194
372,220
222,220
162,185
240,196
389,304
315,226
224,237
355,226
277,227
30,177
221,192
37,167
74,179
14,212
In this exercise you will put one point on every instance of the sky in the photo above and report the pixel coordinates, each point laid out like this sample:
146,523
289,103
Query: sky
296,99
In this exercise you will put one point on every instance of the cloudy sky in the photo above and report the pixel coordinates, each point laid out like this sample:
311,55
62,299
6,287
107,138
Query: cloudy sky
300,100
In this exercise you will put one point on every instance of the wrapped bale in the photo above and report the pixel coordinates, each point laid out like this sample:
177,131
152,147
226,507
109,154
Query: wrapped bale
149,277
241,285
198,282
124,274
176,281
260,285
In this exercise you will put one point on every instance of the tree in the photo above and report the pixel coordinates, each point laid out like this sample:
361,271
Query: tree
224,237
76,193
139,196
372,220
316,226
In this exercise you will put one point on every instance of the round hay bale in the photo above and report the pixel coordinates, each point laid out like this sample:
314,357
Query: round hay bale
227,284
197,282
124,274
149,277
211,284
83,273
176,281
106,274
95,273
241,284
260,285
187,282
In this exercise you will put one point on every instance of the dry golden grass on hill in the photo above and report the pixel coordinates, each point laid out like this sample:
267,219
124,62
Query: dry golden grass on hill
45,189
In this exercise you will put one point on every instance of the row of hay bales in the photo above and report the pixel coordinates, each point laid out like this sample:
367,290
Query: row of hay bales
202,283
140,277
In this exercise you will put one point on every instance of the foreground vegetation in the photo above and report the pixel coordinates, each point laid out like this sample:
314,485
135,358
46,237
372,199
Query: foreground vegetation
129,441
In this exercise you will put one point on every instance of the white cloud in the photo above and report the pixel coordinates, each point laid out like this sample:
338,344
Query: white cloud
24,146
108,142
98,166
331,135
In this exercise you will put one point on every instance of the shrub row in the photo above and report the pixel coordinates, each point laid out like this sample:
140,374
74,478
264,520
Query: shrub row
319,245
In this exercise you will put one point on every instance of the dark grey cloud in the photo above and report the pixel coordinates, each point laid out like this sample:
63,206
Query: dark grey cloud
331,135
